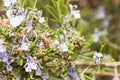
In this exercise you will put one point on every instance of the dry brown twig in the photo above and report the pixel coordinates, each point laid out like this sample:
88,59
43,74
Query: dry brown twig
112,64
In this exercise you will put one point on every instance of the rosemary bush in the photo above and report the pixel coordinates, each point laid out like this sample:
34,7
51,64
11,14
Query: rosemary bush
31,49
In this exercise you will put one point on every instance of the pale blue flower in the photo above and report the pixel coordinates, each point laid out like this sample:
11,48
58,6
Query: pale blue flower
9,67
67,78
100,13
30,64
24,44
45,76
29,28
96,35
72,72
98,56
6,59
38,72
39,14
57,44
40,44
64,47
41,19
16,20
9,3
75,13
2,48
116,78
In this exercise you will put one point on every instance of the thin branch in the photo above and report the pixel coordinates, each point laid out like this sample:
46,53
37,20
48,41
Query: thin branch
103,73
112,64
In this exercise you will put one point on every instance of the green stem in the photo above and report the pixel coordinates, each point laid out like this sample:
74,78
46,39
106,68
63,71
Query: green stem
32,46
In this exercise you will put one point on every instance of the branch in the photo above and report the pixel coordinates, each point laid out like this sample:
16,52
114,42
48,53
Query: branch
103,74
112,64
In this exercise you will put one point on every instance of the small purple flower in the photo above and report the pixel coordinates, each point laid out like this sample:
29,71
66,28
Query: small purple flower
40,44
36,35
39,13
29,28
38,72
45,76
17,19
9,67
63,46
30,64
2,48
116,78
41,19
67,78
9,3
6,59
100,13
24,44
75,13
96,35
72,72
98,56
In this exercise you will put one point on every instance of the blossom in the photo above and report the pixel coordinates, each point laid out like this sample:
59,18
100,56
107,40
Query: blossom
2,48
40,43
24,44
9,3
57,44
67,78
72,72
39,14
15,20
116,78
75,13
41,19
98,56
96,35
30,64
6,59
100,13
45,76
9,67
29,28
38,72
64,47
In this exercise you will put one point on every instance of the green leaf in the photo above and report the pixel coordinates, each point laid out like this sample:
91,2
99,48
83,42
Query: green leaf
24,4
35,3
21,61
102,48
52,12
31,75
32,46
82,28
